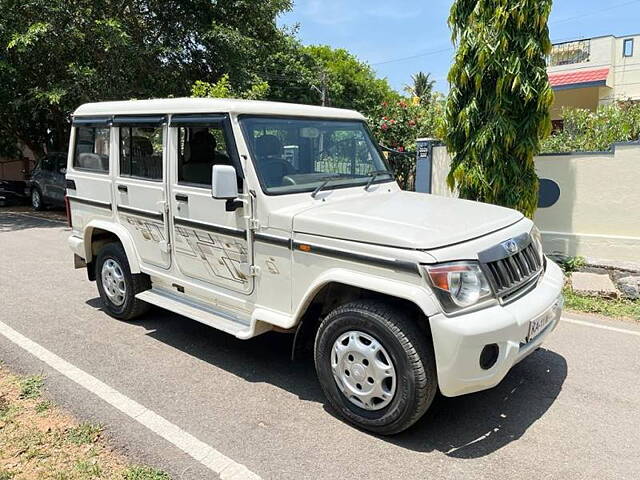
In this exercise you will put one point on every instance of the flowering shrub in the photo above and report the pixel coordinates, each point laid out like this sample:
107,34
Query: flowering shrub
595,131
397,124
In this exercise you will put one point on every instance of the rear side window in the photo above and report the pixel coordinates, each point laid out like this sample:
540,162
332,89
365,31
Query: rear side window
92,149
141,152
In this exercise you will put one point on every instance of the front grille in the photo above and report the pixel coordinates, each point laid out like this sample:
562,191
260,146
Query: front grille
508,274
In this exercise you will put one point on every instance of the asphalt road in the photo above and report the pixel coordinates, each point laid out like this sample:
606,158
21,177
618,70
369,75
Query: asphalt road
570,410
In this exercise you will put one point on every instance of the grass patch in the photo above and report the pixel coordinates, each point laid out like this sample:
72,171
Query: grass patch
89,469
84,433
620,308
43,406
30,387
5,406
572,264
145,473
38,440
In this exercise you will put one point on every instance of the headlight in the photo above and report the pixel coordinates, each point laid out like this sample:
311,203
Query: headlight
537,242
459,285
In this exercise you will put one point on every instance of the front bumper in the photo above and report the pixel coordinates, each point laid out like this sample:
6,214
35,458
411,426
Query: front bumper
459,341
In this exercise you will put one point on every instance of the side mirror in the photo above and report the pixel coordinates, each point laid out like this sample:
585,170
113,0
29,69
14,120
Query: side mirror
63,170
224,183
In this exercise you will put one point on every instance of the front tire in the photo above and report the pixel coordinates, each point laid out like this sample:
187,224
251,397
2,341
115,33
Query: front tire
117,286
376,366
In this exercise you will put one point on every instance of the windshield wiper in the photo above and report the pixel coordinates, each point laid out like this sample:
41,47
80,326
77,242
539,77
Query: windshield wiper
375,174
325,181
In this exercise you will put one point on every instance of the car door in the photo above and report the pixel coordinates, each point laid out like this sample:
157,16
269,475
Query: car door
58,182
43,177
140,186
210,242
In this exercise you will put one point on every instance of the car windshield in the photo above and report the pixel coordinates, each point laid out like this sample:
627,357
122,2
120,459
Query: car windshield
298,154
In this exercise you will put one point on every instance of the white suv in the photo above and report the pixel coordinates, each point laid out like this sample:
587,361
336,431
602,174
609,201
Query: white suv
256,216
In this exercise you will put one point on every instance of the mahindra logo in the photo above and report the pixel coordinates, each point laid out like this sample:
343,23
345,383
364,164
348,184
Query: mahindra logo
510,246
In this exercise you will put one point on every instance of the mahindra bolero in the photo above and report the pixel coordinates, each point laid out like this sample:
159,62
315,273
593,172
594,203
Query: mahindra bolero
253,217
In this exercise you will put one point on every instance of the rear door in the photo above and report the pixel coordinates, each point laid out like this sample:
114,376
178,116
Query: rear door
140,186
210,243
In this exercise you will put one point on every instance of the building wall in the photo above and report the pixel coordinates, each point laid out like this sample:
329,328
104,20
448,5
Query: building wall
623,82
626,70
586,98
596,214
600,53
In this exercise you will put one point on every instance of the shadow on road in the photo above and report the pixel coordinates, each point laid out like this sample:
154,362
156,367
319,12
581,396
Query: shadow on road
20,218
475,425
470,426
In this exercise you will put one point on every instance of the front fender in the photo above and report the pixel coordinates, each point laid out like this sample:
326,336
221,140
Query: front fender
420,295
120,232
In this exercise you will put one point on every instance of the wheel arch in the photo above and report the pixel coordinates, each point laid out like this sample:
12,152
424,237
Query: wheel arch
338,287
98,233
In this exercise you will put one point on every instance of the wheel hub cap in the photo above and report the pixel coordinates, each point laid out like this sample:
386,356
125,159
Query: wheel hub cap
113,282
363,370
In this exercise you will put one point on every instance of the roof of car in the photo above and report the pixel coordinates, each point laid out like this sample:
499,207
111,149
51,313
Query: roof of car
212,105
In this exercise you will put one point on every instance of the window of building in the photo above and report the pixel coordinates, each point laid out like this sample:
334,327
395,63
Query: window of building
199,148
92,149
627,48
141,152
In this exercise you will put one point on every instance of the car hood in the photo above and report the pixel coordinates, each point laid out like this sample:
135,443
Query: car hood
404,219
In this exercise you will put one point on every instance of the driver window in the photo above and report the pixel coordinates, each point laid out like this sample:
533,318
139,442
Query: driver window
199,148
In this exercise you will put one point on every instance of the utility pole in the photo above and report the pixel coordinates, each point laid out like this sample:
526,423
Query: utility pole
322,90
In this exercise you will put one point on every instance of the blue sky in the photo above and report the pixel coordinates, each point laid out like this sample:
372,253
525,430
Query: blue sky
398,38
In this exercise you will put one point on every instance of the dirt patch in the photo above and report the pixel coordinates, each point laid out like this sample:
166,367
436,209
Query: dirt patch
40,441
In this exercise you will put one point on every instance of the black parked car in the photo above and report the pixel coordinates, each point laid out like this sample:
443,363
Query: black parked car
47,184
13,192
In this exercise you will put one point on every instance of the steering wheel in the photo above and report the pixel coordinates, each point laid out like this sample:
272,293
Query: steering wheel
275,169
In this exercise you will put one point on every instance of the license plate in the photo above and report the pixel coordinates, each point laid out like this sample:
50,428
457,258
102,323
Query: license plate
538,324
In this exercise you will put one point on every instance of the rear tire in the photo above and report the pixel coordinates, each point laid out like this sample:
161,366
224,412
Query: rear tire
117,286
36,200
349,372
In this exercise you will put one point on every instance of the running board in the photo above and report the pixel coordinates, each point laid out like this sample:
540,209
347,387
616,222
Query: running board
199,312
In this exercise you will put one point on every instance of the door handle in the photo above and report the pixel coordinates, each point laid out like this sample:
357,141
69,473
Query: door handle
123,188
182,198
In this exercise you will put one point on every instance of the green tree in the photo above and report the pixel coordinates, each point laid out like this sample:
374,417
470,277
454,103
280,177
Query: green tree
56,55
296,73
498,106
223,89
350,83
421,87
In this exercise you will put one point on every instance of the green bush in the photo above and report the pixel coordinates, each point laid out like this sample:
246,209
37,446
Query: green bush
572,264
398,124
595,131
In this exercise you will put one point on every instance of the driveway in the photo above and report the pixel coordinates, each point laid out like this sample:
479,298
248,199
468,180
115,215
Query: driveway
570,410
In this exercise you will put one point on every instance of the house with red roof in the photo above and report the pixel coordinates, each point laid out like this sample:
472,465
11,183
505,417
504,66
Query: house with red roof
594,71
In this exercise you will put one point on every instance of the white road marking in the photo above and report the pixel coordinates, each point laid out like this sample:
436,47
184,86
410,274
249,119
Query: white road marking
222,465
603,327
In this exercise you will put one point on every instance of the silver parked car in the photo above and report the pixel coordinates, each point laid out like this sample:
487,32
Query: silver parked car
47,184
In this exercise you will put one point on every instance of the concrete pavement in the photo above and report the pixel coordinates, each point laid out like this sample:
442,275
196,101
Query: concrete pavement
570,410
